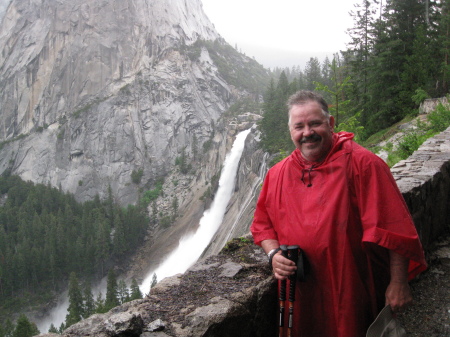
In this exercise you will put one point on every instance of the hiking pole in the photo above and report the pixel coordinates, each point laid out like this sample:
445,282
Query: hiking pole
293,256
282,298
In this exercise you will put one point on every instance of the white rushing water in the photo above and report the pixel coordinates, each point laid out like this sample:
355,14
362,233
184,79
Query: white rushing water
192,246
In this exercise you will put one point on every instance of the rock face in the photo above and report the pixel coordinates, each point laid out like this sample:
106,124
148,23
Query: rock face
92,91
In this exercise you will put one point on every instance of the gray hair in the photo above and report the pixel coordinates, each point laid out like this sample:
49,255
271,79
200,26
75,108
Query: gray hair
304,96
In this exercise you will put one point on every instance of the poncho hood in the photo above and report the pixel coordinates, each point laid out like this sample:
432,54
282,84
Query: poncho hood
336,151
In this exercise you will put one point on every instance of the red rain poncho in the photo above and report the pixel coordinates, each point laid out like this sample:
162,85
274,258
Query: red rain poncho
351,210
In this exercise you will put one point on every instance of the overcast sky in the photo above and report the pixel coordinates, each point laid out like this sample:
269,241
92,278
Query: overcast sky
283,32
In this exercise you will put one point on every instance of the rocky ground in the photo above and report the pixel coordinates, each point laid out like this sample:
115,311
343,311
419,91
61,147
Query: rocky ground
429,316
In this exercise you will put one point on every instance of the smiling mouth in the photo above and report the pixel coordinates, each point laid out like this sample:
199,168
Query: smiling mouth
311,139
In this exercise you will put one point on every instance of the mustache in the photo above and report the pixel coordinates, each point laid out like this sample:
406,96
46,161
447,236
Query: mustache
312,138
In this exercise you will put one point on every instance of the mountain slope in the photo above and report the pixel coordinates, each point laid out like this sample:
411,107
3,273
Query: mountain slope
92,91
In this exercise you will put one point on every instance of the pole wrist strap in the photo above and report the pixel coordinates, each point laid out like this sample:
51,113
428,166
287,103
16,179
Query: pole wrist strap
271,254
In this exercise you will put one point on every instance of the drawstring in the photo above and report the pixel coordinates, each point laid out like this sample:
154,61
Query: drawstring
309,176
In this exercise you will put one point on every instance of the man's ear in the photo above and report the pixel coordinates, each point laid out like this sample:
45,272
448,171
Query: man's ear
332,123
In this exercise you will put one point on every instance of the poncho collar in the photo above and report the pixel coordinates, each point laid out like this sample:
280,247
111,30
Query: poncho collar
336,151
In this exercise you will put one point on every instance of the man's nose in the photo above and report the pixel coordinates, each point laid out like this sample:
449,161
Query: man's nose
307,131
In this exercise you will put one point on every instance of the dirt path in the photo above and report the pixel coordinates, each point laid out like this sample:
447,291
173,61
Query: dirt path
429,316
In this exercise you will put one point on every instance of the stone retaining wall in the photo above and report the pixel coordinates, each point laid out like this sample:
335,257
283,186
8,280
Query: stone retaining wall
424,180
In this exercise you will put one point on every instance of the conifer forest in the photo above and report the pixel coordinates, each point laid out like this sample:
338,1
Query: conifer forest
398,56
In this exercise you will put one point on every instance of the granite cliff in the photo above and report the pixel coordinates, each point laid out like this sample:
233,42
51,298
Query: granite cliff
93,91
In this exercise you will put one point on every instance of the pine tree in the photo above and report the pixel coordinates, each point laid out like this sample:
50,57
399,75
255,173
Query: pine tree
134,290
102,241
8,328
88,301
154,216
194,147
313,73
3,248
274,124
75,310
62,327
53,329
100,304
327,75
174,207
110,209
122,292
112,299
360,48
120,236
25,328
154,281
443,20
336,92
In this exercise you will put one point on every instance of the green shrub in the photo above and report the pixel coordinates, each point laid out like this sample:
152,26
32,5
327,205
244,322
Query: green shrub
439,119
207,145
419,96
136,176
152,195
165,221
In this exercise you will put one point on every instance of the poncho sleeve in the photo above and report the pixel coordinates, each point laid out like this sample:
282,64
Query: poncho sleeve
262,226
385,217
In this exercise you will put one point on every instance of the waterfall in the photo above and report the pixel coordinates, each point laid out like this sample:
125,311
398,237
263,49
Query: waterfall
192,245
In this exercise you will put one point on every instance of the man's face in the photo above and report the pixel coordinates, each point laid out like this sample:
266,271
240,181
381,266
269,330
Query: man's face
311,131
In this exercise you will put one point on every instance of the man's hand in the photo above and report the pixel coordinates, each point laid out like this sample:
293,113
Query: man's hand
398,293
398,296
282,267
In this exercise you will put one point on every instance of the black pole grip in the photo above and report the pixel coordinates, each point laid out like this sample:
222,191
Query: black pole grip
282,297
284,252
293,256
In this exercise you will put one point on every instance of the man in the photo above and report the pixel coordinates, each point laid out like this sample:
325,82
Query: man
340,204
